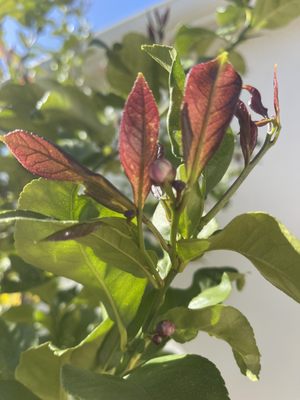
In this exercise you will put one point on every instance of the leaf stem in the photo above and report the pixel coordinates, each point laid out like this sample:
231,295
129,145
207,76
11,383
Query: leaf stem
237,183
156,234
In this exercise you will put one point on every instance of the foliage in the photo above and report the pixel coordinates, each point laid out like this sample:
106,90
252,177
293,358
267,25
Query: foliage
86,303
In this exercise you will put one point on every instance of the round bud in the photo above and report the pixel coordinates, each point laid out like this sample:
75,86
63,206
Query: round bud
156,339
178,185
165,328
162,171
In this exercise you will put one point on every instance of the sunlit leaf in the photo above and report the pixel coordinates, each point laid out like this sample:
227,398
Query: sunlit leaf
211,93
138,138
224,323
45,159
74,260
212,296
272,249
168,58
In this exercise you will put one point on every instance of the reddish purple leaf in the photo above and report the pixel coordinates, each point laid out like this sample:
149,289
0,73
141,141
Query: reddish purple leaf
248,131
255,102
45,159
211,94
276,98
73,232
138,138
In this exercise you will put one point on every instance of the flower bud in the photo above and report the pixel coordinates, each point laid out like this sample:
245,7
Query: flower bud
162,171
156,339
255,102
165,328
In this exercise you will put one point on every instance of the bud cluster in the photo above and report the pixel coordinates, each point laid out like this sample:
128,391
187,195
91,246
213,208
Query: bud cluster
164,329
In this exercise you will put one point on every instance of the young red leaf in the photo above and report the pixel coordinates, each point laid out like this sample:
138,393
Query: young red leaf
138,138
45,159
255,102
211,94
276,99
248,131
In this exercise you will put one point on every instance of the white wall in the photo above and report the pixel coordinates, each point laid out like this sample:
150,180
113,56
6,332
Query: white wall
274,187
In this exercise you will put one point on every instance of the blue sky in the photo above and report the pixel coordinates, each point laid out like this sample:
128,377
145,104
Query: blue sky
103,14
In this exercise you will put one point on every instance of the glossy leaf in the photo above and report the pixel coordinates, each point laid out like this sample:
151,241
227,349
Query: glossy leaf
112,240
17,215
272,14
212,296
138,138
74,260
211,94
272,249
203,279
45,159
168,58
217,166
90,386
224,323
191,377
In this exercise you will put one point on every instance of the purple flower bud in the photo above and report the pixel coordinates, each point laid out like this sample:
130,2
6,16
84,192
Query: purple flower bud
255,101
162,171
156,339
179,186
165,328
130,214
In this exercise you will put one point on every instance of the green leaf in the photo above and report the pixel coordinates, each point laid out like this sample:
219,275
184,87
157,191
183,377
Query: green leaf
264,241
40,367
272,14
224,323
17,215
213,295
126,60
194,39
191,249
268,245
233,14
190,216
120,292
90,386
39,371
12,390
168,58
219,163
184,377
238,61
203,280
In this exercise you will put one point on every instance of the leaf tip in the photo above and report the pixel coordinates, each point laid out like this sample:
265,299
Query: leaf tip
251,376
223,57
